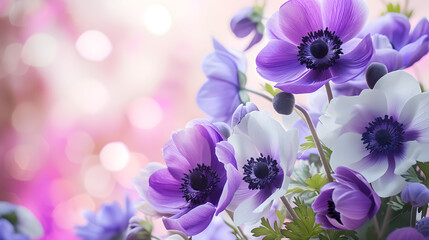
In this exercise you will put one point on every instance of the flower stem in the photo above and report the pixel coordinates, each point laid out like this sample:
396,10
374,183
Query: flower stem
329,91
258,93
413,217
238,227
376,226
386,219
289,208
155,237
317,142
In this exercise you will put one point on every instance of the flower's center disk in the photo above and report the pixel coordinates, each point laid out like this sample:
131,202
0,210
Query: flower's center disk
260,172
199,184
332,213
320,49
384,136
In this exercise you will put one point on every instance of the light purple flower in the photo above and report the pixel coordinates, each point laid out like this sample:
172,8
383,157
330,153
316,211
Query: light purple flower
246,21
415,193
406,233
242,111
109,223
196,185
265,155
346,204
7,232
138,229
381,133
423,226
312,43
410,46
21,220
221,95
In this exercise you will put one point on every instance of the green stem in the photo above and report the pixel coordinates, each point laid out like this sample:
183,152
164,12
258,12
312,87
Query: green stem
289,208
231,215
413,217
386,219
155,237
259,94
329,91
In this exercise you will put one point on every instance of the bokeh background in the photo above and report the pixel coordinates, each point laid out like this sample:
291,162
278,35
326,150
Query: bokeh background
91,90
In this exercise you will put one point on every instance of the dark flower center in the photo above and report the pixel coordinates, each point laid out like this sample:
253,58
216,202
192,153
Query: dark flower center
199,184
383,136
320,49
260,172
332,213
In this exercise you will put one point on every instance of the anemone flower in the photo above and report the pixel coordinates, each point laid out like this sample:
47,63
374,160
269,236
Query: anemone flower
312,43
17,222
265,155
381,133
415,193
246,21
406,233
346,204
220,95
410,46
195,185
109,223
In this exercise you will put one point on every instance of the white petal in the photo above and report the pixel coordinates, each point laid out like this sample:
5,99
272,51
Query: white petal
348,149
399,87
415,116
402,164
371,168
423,153
245,213
28,224
243,147
265,132
389,185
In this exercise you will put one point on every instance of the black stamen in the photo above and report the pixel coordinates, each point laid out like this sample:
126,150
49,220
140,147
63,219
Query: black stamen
261,172
332,213
319,48
199,184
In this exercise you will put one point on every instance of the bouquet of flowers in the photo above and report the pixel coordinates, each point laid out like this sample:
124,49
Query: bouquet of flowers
350,165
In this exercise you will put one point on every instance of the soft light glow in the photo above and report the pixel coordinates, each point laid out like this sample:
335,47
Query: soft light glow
89,95
157,19
26,118
98,182
94,45
145,113
114,156
132,169
39,50
68,214
79,145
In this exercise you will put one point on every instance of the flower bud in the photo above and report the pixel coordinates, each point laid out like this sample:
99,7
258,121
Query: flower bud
374,72
423,226
284,103
223,128
415,193
138,229
406,233
241,111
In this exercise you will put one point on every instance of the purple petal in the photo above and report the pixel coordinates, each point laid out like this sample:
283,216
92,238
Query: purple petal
352,204
272,28
255,40
219,66
241,25
225,153
421,29
177,164
278,61
406,233
242,111
192,222
234,179
415,193
164,192
345,17
354,63
297,18
192,146
308,82
389,57
413,52
393,25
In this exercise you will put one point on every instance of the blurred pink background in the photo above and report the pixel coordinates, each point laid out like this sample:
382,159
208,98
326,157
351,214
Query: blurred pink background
91,90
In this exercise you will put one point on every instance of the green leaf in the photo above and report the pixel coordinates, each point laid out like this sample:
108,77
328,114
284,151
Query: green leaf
305,226
412,176
260,28
267,231
338,235
235,231
271,90
316,182
244,97
256,15
242,80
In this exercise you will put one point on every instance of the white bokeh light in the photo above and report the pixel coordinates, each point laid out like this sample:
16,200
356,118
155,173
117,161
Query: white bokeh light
114,156
89,95
94,45
145,113
98,182
39,50
157,19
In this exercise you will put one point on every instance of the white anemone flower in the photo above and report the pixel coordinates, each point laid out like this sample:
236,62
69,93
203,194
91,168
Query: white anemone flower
26,224
381,133
265,154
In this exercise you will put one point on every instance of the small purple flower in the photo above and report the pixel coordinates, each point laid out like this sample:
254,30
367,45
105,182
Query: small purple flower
410,46
196,185
406,233
312,43
109,223
381,133
242,111
415,193
423,226
20,219
7,232
138,229
346,204
246,21
221,94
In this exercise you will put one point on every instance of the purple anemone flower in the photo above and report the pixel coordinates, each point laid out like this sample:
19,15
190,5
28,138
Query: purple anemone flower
195,185
423,226
221,95
265,155
415,193
242,111
381,133
7,231
312,43
346,204
406,233
410,46
109,223
246,21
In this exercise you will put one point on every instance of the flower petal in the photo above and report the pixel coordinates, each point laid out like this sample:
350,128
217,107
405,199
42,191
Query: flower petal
234,179
256,38
352,204
308,82
371,167
297,18
241,25
192,146
389,57
243,147
278,61
272,28
421,29
192,222
245,213
348,150
354,63
345,17
389,184
415,117
413,52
